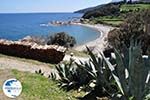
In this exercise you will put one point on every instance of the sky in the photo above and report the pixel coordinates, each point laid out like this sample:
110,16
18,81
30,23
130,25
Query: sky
27,6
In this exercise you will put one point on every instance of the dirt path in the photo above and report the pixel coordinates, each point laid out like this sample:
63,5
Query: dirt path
21,64
7,62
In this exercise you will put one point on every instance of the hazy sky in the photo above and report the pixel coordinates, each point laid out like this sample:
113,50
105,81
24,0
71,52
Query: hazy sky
17,6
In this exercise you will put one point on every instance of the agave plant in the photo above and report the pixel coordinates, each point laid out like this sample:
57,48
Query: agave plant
91,74
71,77
131,72
101,76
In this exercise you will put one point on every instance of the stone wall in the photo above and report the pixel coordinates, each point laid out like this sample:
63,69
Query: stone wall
44,53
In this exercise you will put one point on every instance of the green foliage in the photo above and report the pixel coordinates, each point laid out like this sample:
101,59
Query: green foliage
61,39
72,77
133,27
97,14
109,20
130,72
101,77
91,76
133,7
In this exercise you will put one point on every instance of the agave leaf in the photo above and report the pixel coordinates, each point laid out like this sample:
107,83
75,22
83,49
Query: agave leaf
138,71
146,75
53,76
93,59
91,55
120,68
111,67
87,70
59,70
126,57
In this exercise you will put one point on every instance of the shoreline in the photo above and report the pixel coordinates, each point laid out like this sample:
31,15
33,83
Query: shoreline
99,43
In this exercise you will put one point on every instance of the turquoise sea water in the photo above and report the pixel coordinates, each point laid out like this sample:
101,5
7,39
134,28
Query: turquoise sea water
17,26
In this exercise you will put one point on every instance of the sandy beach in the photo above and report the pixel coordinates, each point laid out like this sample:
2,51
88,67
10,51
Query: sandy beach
98,44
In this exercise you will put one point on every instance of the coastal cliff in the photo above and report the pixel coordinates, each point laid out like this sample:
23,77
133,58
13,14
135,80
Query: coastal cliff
31,50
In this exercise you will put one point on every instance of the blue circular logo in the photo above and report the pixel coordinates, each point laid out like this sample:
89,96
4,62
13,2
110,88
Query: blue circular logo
12,88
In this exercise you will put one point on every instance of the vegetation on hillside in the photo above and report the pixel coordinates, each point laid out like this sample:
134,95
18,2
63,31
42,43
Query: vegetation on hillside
113,13
133,27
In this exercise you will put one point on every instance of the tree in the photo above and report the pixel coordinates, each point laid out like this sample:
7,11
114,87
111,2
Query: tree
133,27
61,39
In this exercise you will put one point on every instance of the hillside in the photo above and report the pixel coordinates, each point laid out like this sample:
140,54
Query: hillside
112,13
112,2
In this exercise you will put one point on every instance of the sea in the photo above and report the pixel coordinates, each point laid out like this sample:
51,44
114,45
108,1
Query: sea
19,25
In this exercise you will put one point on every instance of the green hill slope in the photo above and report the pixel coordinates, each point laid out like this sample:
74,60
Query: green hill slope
113,13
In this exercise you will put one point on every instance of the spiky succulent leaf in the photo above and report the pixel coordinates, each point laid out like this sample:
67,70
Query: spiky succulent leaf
120,68
138,69
138,72
112,69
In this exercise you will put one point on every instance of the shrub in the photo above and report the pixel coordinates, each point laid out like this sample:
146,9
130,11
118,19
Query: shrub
61,39
133,27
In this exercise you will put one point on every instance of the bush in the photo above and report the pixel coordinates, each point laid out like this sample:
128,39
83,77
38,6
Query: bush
61,39
133,27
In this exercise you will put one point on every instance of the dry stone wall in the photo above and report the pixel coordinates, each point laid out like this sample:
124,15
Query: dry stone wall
31,50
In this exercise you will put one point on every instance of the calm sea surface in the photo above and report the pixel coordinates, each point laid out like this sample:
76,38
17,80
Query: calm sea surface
17,26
